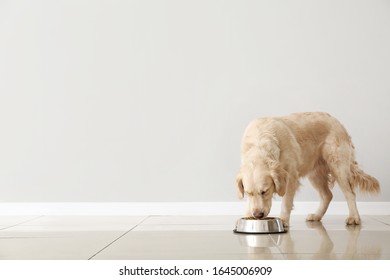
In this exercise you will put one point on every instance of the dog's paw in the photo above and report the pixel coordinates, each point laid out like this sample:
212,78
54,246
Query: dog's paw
313,218
285,223
353,220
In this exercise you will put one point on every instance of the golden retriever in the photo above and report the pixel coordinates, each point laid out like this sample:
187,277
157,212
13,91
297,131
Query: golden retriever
276,152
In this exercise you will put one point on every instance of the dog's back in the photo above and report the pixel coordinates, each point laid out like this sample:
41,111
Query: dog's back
314,134
299,137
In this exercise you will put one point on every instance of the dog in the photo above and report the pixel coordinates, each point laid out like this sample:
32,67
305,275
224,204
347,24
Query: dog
276,152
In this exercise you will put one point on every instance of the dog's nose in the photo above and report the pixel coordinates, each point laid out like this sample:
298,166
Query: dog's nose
258,214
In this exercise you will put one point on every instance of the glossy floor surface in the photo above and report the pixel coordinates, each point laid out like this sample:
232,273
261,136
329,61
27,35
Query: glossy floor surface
187,237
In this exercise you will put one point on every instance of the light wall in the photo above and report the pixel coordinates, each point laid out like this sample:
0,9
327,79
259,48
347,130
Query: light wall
116,101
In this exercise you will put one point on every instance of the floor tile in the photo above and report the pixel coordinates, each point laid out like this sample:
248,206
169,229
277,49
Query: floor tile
82,223
188,237
53,246
332,222
186,245
383,218
178,227
63,237
7,221
335,257
334,244
191,220
187,223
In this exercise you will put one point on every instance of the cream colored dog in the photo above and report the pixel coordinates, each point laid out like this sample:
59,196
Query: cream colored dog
276,152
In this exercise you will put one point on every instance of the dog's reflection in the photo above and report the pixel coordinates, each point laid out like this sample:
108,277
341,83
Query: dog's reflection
314,243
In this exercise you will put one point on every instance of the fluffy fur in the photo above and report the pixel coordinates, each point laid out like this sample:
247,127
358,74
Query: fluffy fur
276,152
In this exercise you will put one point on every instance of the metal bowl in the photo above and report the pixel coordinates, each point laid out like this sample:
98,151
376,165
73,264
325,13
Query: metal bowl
265,225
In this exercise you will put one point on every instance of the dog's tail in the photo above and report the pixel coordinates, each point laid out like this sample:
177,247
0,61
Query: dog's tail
365,182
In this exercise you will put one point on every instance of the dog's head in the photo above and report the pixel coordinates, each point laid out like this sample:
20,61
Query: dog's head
259,182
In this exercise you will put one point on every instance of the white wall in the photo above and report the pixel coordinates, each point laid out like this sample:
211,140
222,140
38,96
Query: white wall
147,100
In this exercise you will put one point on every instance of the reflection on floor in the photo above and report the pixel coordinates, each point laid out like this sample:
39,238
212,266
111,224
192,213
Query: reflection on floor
190,237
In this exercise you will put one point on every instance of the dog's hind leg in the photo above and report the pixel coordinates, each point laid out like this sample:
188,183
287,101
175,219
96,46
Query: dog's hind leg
350,196
322,181
339,163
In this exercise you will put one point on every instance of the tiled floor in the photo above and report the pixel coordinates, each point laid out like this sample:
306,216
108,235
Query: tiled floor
191,237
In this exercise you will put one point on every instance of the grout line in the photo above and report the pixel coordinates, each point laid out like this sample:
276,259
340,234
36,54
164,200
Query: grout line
35,218
376,219
105,247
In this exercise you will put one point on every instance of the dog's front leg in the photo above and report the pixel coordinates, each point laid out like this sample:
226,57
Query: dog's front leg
288,202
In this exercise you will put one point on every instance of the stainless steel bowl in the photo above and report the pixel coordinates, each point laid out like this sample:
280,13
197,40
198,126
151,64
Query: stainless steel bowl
265,225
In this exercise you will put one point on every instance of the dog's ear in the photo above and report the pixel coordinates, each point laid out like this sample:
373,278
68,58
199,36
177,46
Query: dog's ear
240,187
280,178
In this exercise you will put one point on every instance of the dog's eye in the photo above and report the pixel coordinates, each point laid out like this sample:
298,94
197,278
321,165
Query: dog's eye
263,192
